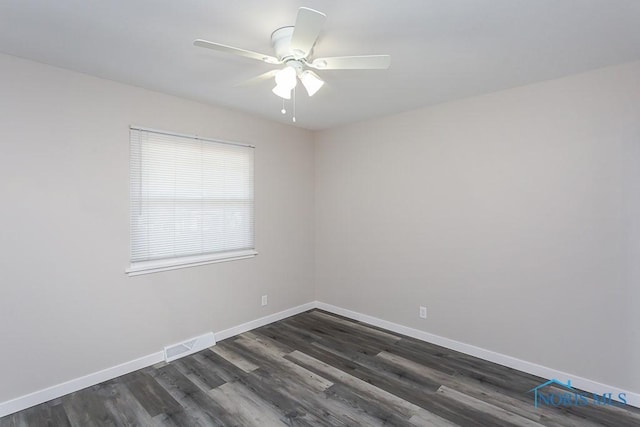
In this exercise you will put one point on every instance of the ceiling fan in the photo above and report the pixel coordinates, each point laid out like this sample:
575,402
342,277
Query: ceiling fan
293,46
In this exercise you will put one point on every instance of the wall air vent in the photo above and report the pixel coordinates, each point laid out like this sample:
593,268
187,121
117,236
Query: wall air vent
188,347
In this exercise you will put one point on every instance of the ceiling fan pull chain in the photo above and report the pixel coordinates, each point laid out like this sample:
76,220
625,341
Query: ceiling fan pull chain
294,105
283,111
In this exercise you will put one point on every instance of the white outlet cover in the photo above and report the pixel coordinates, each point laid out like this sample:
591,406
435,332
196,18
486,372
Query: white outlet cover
423,312
264,300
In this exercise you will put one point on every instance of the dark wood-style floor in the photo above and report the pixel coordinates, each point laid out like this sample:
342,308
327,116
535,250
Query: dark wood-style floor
317,369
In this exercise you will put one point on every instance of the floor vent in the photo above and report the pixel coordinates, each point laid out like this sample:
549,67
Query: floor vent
188,347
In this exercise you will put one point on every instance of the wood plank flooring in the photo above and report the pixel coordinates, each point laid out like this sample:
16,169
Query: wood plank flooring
318,369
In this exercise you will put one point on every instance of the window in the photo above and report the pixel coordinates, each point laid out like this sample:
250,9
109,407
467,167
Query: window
191,201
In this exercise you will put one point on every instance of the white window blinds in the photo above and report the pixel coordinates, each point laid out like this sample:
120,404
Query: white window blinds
191,201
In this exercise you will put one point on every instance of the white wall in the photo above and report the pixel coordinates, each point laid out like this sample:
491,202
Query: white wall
66,307
514,217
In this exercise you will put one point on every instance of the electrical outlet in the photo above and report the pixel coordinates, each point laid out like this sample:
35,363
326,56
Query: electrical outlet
264,300
423,312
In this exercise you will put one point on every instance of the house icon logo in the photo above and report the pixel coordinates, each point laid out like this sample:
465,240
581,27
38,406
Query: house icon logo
558,394
537,391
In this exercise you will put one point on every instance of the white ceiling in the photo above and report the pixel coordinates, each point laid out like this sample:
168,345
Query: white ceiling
440,50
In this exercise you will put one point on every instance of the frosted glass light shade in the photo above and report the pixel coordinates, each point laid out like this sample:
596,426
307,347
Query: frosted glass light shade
282,91
286,78
311,82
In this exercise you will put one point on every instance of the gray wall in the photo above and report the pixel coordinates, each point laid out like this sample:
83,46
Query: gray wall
514,217
66,307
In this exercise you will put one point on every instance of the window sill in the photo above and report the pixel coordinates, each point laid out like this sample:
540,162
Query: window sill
156,266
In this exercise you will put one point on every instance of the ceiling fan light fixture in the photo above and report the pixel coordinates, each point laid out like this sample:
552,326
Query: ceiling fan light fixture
282,92
311,82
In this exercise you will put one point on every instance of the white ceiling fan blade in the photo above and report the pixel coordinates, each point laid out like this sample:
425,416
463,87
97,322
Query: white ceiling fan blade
236,51
306,31
257,79
364,62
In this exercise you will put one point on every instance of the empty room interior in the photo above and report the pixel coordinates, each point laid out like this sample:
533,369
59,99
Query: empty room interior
340,213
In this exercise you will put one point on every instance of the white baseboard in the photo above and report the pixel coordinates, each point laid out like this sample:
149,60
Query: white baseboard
237,330
585,384
59,390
